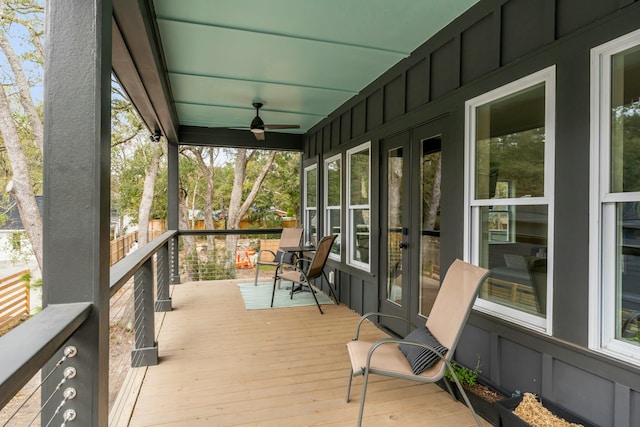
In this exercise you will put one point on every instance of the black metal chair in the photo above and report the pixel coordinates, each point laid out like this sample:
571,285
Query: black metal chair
298,275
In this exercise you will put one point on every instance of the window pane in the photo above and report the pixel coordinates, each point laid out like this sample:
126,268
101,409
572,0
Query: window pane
310,228
628,274
360,236
510,136
625,121
516,256
311,184
334,228
333,183
359,178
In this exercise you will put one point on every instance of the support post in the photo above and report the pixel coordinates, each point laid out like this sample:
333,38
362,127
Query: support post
163,300
173,208
145,350
76,175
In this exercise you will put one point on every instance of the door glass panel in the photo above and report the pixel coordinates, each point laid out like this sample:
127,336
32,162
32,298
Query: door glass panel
430,171
394,225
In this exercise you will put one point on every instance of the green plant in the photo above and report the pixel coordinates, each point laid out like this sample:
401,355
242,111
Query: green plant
466,376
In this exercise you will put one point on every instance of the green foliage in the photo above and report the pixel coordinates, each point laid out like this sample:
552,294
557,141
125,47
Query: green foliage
466,376
280,188
26,277
37,283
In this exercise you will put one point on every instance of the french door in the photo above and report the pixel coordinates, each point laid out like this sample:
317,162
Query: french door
411,172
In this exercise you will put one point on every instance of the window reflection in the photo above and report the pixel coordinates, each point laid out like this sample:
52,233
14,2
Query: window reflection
431,174
519,267
358,205
628,261
510,138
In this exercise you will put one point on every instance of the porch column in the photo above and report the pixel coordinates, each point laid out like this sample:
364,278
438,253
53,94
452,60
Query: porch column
172,208
77,140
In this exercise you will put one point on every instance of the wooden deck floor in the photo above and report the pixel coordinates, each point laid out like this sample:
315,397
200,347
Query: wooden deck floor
222,365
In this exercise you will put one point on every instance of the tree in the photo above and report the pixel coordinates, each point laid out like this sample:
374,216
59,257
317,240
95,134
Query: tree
245,183
16,103
207,171
135,155
237,207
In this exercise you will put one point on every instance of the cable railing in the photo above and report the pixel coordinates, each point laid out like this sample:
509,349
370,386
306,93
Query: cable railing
138,289
34,343
136,293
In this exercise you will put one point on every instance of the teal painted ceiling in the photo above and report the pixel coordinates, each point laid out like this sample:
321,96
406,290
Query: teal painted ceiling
301,58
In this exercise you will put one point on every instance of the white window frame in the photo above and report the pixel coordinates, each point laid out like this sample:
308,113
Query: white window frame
307,209
602,231
349,242
329,208
473,206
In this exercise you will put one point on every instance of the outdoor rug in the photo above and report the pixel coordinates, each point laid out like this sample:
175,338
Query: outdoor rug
259,297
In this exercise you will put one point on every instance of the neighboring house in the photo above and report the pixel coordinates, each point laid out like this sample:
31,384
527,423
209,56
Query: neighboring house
14,243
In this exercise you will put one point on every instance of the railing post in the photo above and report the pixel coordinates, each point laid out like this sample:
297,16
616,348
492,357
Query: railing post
173,261
163,300
145,351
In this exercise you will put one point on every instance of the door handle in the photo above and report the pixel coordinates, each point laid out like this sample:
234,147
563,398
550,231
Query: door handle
403,245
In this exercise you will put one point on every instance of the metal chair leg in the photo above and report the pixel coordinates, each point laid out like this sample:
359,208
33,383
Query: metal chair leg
273,292
464,395
331,288
349,386
364,394
313,293
257,270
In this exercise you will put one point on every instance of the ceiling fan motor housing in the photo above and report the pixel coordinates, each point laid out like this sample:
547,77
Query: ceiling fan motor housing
257,122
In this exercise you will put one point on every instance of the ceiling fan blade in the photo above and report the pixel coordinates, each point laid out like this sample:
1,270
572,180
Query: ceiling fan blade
282,126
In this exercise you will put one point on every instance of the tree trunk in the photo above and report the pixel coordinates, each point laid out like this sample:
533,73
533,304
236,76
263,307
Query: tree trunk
434,203
24,90
146,200
207,172
20,187
237,208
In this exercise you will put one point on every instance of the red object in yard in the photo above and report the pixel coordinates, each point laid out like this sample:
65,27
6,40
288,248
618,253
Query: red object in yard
244,258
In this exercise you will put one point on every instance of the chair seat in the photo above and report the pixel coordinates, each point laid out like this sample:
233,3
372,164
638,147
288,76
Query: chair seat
292,276
387,357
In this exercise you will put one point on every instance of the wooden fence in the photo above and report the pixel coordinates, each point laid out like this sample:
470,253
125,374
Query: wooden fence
14,298
120,246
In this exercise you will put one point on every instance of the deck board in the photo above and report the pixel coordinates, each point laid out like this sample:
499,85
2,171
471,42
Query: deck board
223,365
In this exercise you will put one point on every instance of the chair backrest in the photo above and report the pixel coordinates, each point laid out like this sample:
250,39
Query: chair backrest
454,302
291,237
320,257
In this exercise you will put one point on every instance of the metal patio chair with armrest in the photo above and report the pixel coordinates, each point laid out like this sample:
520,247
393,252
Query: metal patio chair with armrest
303,277
429,348
290,237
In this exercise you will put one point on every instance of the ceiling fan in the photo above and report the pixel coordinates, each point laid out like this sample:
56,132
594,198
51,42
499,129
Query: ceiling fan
258,126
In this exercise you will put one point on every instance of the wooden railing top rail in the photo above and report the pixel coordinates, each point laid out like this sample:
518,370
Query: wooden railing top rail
34,343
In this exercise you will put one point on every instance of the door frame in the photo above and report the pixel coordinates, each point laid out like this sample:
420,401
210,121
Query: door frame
411,141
